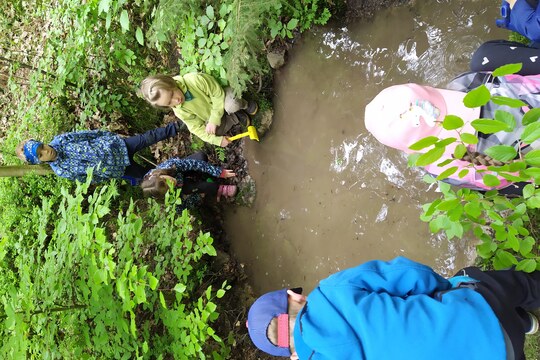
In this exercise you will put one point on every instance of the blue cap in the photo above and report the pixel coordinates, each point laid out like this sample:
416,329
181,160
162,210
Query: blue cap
261,313
30,151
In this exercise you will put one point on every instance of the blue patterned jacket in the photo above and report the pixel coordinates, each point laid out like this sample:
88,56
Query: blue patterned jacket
106,152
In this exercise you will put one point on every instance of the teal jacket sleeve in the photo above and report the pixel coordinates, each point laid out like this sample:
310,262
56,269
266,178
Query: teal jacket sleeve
399,277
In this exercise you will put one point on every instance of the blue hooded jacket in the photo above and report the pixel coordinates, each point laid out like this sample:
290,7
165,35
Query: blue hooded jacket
396,310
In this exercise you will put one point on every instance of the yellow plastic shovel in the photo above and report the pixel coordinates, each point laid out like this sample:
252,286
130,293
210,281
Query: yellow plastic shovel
251,132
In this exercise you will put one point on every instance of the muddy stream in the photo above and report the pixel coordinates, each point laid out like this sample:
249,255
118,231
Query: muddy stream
329,196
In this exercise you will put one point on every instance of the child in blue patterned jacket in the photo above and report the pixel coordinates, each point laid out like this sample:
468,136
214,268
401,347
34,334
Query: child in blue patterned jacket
111,156
185,173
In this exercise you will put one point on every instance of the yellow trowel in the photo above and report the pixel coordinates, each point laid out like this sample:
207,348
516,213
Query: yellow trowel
251,132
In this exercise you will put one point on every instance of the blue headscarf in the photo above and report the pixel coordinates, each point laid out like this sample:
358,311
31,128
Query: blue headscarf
30,151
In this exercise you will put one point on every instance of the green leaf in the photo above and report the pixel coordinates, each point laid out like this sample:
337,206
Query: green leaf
152,282
469,138
460,151
507,118
162,300
528,191
507,69
533,158
180,288
446,205
477,97
412,158
491,180
424,143
445,142
430,157
292,24
531,133
502,153
205,20
104,6
506,101
527,265
210,12
463,173
201,42
533,202
533,172
140,294
526,246
531,116
124,21
504,260
446,173
139,36
445,162
488,126
452,122
220,293
473,209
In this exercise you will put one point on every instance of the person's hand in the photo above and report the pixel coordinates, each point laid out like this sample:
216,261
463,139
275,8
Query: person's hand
226,173
211,128
294,356
225,142
511,3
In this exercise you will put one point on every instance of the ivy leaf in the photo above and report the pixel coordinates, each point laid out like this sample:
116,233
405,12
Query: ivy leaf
459,151
491,180
469,138
506,101
124,21
424,143
507,69
502,152
139,36
488,126
531,116
477,97
533,158
507,118
531,133
452,122
430,157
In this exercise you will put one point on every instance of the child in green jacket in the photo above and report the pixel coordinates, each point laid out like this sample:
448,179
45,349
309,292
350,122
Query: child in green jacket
208,110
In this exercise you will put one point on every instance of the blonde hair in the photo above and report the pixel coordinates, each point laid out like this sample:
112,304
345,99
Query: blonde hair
272,332
153,185
152,87
19,150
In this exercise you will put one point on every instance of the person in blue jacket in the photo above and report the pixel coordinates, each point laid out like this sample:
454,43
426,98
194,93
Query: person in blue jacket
110,155
400,309
523,17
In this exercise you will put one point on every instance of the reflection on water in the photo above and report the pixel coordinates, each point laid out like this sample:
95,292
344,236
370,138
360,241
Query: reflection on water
329,196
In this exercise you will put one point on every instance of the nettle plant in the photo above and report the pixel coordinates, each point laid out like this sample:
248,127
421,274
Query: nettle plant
504,225
87,281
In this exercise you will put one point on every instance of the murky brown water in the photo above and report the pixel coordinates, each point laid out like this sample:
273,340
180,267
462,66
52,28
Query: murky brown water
329,196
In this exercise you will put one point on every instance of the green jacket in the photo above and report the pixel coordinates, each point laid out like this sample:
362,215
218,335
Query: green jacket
207,105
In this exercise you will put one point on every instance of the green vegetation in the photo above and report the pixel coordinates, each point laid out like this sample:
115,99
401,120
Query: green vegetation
90,271
505,226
